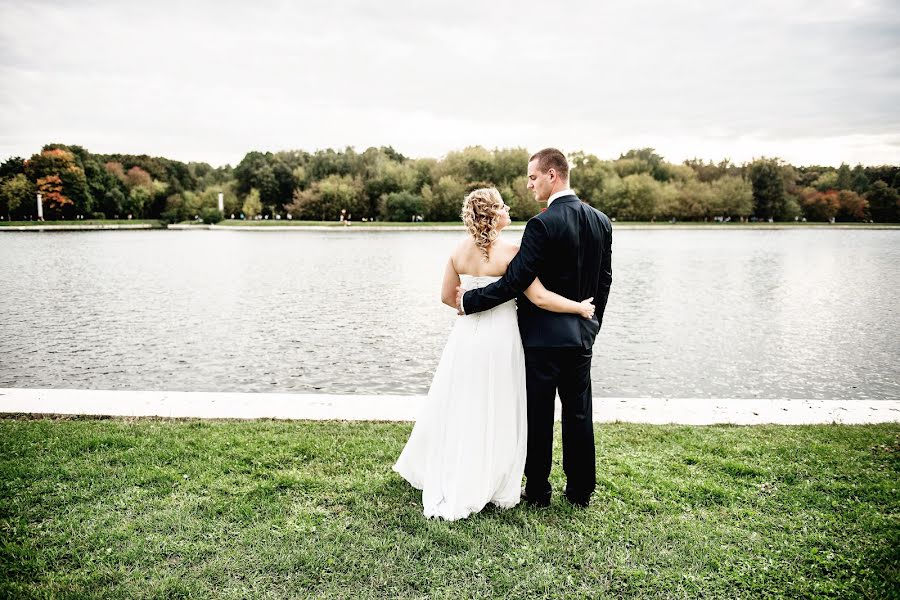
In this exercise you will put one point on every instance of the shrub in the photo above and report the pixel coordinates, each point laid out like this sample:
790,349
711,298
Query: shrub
402,206
210,215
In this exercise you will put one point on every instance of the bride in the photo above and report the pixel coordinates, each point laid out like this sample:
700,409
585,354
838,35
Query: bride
468,445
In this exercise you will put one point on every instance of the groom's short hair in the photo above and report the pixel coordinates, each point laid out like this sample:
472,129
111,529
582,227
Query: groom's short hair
551,158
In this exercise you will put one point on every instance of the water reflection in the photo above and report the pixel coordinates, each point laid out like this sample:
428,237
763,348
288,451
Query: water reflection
795,313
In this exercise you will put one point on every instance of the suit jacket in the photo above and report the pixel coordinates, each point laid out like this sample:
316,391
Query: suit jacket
569,246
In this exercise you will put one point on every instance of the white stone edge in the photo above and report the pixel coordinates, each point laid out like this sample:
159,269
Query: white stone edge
298,406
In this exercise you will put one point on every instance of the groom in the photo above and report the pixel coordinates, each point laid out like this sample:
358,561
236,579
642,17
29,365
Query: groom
568,245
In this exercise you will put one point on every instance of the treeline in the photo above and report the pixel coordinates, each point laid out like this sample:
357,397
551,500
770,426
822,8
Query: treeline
382,184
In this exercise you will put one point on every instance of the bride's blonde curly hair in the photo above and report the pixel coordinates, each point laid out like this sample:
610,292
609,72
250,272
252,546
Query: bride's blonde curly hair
481,213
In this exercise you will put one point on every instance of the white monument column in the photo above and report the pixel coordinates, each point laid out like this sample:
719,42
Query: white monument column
221,202
40,208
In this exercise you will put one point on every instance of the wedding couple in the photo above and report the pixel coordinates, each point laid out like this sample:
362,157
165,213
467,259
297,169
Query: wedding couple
522,339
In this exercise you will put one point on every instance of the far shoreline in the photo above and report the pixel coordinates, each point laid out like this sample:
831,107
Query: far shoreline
286,225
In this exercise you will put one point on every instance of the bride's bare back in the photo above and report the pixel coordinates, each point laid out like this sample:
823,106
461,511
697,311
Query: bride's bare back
467,259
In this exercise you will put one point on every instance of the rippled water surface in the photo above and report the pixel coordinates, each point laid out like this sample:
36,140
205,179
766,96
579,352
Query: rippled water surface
780,314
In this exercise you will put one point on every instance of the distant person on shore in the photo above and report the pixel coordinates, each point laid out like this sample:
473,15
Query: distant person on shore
469,443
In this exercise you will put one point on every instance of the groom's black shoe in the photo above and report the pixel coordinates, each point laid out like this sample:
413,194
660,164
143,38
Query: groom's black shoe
578,502
536,501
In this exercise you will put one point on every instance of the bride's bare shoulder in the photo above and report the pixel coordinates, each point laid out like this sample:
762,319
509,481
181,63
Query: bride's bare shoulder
462,251
464,246
508,248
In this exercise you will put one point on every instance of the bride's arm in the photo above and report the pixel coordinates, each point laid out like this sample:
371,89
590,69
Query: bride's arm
544,298
449,285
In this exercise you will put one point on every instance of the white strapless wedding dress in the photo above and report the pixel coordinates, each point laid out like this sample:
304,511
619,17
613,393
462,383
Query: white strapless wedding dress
468,445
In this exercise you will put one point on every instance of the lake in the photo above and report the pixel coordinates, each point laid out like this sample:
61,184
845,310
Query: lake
788,313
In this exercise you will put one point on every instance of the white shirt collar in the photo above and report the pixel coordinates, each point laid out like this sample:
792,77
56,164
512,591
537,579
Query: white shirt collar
559,194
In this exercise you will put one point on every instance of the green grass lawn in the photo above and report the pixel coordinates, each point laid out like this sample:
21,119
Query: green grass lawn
153,222
162,509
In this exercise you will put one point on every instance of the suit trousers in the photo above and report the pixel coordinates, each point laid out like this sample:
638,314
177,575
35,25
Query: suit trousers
567,370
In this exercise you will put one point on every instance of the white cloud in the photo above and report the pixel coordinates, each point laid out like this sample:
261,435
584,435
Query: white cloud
812,82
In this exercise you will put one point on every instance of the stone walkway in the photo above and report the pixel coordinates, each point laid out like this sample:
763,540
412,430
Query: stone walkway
231,405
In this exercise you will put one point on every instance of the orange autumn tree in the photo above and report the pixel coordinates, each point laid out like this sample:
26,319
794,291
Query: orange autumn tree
116,169
137,177
61,180
820,206
853,207
51,190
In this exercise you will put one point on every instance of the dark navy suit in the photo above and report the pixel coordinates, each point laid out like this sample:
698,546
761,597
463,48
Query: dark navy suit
569,246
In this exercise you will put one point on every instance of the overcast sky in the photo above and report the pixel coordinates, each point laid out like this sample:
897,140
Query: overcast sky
812,82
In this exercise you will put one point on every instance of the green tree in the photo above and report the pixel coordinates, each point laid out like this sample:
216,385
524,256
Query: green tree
301,178
767,180
325,199
99,182
884,203
210,214
890,174
844,178
642,160
732,197
402,206
860,183
640,197
138,197
443,201
521,202
827,181
252,205
112,204
267,184
588,177
12,166
510,164
16,192
689,200
709,171
423,172
470,165
144,195
181,206
205,175
383,176
258,170
325,163
209,197
177,175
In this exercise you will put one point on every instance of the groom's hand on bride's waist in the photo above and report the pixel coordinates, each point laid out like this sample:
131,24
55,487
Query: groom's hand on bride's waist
460,292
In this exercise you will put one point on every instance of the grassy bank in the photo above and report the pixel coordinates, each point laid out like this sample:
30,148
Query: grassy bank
150,508
432,224
298,223
618,224
80,222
